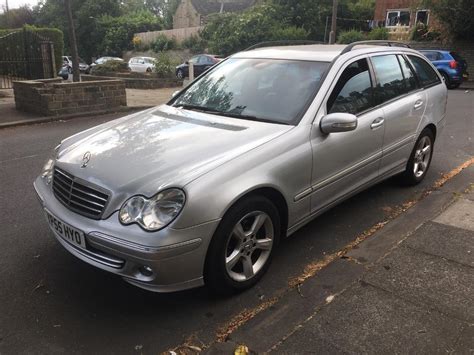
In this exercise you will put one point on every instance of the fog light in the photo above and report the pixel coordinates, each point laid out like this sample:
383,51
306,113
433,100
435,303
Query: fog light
145,271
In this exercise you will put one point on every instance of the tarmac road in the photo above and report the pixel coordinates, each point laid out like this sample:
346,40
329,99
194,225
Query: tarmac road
51,302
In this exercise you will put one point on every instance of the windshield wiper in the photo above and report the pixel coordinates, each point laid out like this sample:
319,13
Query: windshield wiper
250,117
198,108
227,114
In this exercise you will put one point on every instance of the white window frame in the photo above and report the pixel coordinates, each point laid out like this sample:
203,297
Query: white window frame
427,16
398,11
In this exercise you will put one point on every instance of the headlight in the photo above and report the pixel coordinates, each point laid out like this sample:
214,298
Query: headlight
48,168
154,213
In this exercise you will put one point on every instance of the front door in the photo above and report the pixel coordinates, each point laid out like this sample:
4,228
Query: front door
346,161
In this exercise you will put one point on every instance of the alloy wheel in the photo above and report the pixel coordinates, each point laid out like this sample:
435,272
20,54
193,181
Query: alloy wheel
422,156
249,246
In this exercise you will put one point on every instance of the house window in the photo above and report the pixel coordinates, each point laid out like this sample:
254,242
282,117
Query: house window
398,18
422,16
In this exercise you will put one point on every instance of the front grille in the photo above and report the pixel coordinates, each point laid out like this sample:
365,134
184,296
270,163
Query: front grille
79,196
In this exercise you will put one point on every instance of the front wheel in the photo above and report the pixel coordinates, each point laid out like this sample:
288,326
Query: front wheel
242,246
420,159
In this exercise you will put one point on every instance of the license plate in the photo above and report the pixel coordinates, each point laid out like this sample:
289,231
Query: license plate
65,231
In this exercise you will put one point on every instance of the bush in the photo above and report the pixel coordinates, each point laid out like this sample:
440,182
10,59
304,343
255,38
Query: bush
162,43
347,37
379,33
195,44
163,66
421,32
112,66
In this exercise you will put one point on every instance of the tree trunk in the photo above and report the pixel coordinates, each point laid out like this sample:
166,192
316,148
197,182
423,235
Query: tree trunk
72,39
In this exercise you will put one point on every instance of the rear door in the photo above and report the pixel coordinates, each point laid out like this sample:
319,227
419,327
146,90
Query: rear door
403,103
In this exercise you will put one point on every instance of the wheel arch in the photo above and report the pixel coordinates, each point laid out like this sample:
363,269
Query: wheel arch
432,128
275,196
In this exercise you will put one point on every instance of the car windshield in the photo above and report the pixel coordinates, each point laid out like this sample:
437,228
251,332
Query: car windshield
268,90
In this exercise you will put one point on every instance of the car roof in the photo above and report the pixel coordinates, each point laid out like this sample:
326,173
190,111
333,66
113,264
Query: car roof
316,52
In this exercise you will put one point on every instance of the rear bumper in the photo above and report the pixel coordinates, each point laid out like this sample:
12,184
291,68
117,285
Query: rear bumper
175,266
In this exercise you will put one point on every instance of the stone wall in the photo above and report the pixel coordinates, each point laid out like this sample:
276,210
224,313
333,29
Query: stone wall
52,98
178,34
144,82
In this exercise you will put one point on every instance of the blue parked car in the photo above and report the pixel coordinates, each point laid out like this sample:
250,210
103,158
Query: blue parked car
451,65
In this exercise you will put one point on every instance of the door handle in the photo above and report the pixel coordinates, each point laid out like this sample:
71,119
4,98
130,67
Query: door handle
378,122
418,104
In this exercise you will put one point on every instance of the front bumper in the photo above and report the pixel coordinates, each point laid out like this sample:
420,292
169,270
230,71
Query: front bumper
176,256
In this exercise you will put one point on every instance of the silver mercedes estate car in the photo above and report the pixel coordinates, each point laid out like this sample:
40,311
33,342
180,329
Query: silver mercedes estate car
200,190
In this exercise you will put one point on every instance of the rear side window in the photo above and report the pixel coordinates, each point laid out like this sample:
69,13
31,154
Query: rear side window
353,91
408,75
426,74
390,80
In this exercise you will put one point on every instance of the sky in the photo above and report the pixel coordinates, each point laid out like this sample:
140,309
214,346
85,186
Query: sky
14,4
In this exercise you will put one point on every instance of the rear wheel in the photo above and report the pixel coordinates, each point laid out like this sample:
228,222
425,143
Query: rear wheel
447,81
420,159
180,74
242,246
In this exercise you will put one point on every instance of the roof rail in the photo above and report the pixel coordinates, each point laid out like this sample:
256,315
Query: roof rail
282,43
375,42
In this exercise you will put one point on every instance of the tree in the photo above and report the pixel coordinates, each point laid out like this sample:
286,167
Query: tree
455,14
16,18
229,32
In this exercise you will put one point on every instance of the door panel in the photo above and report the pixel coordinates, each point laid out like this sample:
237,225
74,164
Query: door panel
343,162
346,161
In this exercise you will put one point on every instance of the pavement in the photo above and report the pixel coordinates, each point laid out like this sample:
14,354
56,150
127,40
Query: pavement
51,302
407,289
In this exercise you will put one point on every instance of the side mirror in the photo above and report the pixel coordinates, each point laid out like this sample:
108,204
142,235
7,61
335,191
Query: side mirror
338,122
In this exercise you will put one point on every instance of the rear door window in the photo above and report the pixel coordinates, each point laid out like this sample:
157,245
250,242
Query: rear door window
390,80
353,91
408,74
425,73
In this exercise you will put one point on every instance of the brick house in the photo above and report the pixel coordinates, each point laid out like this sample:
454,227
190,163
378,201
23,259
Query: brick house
402,13
193,13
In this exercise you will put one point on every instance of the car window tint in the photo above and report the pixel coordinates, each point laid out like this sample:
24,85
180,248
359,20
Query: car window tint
426,74
408,74
390,81
353,91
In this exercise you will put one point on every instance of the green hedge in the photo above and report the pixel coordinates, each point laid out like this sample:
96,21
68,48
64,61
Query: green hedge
53,34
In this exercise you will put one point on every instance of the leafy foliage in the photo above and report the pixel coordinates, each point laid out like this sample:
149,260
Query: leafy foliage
163,66
195,44
421,32
378,33
17,18
455,14
347,37
163,43
229,32
111,66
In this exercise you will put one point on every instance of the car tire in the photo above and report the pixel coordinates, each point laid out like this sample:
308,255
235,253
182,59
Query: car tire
148,70
69,70
242,247
447,81
420,159
180,74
